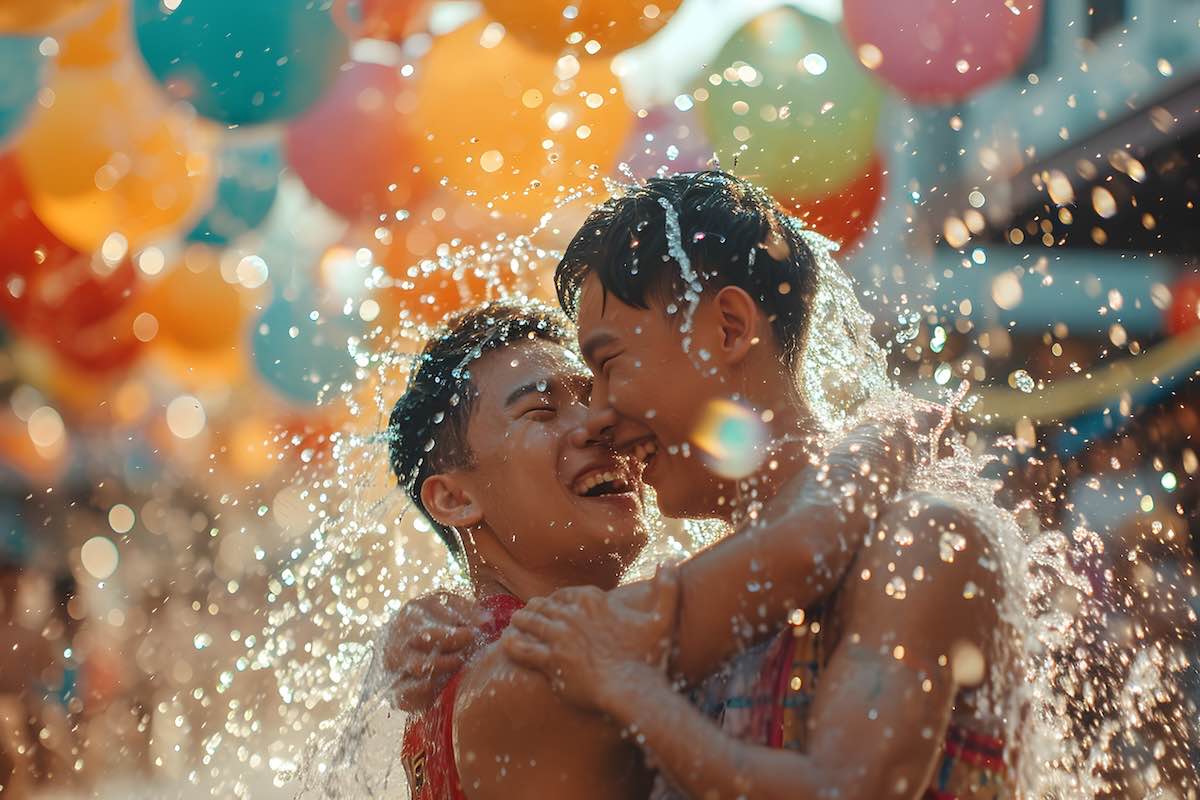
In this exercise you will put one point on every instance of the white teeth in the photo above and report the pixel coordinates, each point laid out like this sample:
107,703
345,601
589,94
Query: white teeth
594,479
644,450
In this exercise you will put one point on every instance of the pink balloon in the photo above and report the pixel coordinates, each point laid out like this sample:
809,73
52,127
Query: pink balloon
938,51
352,149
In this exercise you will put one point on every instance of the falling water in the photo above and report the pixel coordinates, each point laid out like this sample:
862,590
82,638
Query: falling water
319,711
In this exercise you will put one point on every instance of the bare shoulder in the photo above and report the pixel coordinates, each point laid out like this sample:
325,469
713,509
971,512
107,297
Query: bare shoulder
927,567
513,737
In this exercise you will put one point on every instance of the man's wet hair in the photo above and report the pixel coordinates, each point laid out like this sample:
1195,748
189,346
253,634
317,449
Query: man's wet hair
427,430
732,232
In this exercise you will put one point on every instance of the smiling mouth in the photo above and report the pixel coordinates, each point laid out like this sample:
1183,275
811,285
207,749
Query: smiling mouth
601,483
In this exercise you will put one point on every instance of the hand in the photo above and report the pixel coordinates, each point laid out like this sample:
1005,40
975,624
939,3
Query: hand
591,645
428,641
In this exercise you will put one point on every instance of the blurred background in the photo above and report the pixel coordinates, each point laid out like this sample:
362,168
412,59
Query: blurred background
224,226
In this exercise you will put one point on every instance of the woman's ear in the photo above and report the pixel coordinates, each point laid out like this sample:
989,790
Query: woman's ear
738,317
450,502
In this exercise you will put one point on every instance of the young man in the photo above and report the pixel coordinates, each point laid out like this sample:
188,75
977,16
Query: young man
877,691
697,290
488,441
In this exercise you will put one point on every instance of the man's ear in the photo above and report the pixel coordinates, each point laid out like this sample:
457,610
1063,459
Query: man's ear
738,317
450,502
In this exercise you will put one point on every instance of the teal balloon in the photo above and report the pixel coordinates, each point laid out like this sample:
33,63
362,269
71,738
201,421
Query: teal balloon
249,181
242,62
22,68
305,366
792,104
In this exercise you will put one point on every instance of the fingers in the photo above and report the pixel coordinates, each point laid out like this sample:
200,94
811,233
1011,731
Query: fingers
541,626
526,651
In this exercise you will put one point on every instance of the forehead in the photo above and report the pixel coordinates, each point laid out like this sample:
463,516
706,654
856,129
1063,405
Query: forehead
603,313
499,372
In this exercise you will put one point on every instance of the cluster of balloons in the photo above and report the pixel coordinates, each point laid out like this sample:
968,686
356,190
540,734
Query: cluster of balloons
796,99
128,123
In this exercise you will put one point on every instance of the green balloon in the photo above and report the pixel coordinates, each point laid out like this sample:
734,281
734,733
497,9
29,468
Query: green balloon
792,105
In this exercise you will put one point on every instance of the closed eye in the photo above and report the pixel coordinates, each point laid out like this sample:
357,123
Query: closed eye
539,413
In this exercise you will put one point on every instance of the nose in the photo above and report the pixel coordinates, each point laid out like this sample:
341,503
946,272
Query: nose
597,428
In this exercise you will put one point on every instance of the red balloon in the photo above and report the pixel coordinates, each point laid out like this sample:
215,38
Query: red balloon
935,51
845,215
352,149
388,19
1184,312
47,288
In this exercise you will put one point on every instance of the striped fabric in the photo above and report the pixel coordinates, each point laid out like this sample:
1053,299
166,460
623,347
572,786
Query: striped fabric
764,697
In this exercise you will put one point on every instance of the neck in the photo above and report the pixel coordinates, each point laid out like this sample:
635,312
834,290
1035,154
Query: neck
788,452
494,571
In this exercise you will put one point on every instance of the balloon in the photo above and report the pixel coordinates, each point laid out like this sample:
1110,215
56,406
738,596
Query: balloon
99,42
502,124
932,51
140,170
195,307
299,357
387,19
25,17
238,62
22,67
1184,312
249,181
844,215
615,24
793,105
665,138
353,149
30,250
57,294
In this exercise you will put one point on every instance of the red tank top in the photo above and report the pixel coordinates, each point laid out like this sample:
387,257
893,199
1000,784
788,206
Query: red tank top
428,748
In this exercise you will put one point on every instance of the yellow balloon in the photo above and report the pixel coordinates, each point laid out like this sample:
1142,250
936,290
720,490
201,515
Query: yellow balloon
106,155
101,40
25,17
515,126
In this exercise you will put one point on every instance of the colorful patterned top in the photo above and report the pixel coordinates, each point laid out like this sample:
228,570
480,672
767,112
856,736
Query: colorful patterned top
764,696
428,749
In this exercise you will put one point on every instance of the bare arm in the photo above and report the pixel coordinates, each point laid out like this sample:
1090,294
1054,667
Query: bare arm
885,696
793,557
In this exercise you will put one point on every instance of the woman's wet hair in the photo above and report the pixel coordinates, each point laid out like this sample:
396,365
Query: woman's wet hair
733,233
427,430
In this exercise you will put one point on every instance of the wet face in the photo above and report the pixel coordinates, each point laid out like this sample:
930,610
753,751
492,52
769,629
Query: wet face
553,499
650,394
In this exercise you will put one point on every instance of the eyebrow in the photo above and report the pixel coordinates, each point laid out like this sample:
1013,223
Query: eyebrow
595,343
533,387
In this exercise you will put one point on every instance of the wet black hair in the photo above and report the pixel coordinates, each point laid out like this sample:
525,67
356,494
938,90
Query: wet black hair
427,430
732,232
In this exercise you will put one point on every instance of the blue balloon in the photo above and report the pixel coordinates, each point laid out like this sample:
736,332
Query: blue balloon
242,62
298,356
245,193
22,67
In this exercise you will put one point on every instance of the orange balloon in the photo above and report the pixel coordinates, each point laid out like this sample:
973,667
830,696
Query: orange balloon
616,24
846,215
196,309
513,126
99,41
26,17
108,156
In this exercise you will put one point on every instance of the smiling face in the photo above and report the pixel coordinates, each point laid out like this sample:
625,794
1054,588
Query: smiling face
558,504
650,395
